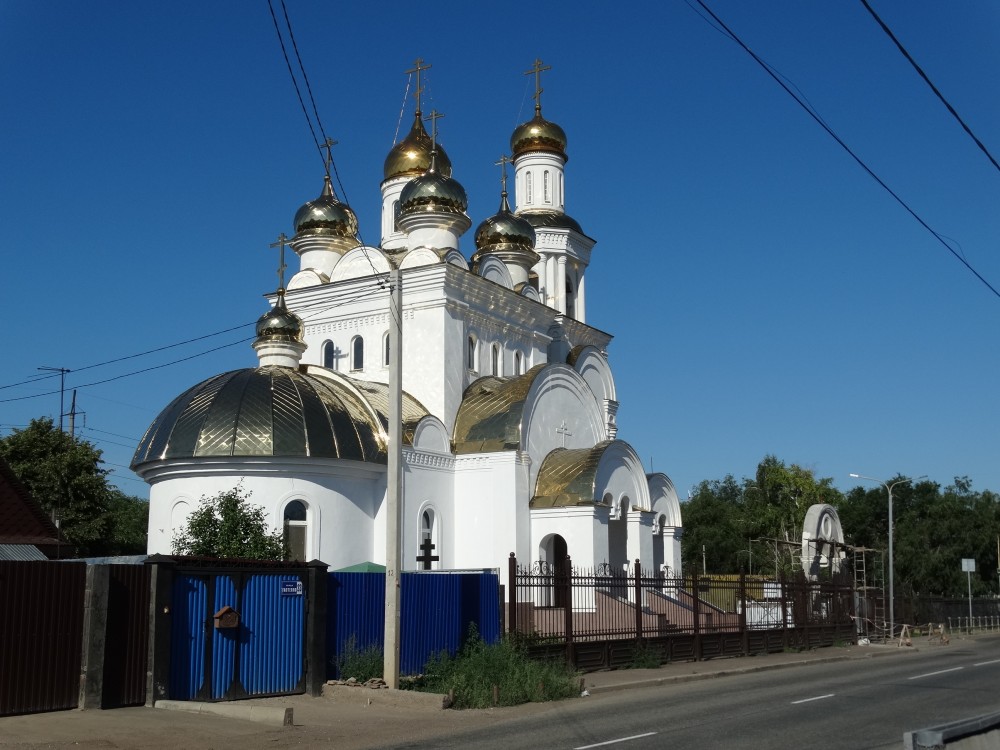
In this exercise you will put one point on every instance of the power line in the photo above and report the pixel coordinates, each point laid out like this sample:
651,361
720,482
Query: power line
732,35
927,80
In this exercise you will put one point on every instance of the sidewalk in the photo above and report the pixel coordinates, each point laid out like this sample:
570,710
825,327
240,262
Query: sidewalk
354,718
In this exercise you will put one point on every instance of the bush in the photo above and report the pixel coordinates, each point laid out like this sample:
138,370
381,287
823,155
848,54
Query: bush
472,674
362,665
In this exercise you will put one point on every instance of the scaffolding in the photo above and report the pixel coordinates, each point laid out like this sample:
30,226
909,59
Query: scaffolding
869,594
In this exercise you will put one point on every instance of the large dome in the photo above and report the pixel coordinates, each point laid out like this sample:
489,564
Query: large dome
274,411
412,155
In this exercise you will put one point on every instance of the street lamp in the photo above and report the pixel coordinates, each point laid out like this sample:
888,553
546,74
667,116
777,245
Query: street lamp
888,489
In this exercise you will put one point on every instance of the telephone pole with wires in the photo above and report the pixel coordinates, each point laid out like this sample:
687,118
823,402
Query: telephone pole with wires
62,390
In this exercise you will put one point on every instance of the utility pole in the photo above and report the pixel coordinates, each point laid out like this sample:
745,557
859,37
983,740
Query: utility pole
62,390
394,484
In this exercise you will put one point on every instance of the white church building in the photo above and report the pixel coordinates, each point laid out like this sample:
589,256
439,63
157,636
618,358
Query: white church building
509,435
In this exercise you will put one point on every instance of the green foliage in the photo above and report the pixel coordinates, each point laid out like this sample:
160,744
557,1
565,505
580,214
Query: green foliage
65,475
479,667
644,656
361,664
227,525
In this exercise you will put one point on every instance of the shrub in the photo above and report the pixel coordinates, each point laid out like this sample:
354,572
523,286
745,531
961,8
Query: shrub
472,674
362,665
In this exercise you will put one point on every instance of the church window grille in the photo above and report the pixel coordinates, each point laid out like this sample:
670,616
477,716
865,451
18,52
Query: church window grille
296,527
528,198
496,360
329,355
357,353
545,187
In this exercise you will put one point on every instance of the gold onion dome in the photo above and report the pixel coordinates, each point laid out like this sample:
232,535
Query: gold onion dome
505,231
279,324
412,155
326,215
433,191
538,134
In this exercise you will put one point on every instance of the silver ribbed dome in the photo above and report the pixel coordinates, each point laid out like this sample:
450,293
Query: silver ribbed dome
269,411
279,324
433,191
505,230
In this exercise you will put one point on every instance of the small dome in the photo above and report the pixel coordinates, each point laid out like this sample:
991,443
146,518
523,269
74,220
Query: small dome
412,155
538,134
433,191
505,230
326,215
555,219
279,324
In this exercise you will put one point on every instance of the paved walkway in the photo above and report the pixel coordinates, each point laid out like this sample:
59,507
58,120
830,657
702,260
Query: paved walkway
355,718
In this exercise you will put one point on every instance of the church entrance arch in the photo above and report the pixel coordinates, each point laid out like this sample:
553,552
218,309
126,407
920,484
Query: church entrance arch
618,536
553,559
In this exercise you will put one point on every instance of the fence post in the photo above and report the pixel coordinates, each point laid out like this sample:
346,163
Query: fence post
512,594
744,634
316,641
95,623
638,601
783,583
567,582
161,586
696,615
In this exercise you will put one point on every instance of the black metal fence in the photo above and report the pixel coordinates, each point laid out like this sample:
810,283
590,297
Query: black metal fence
604,617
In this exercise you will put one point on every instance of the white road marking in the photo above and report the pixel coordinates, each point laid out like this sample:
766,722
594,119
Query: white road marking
984,663
931,674
615,742
817,698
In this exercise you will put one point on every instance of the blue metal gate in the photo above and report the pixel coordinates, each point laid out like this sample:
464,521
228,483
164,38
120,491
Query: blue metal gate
237,634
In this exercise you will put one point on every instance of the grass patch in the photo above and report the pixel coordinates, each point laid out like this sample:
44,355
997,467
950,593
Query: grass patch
501,674
644,656
361,664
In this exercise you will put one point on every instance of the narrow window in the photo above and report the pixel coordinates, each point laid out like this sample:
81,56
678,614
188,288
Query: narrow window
295,530
329,355
545,187
496,360
385,349
560,198
471,356
527,188
429,554
358,353
517,363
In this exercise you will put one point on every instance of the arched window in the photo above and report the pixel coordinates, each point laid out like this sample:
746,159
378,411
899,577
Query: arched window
471,355
295,530
517,364
429,554
329,355
559,198
395,211
385,349
357,353
527,188
496,360
545,187
570,299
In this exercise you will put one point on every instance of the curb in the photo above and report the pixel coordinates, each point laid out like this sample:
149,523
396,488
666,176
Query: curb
362,696
273,715
696,676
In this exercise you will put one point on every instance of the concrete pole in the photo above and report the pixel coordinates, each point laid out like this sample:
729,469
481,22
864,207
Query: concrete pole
394,484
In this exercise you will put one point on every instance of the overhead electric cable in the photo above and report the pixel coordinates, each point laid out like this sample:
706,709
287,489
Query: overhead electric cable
927,80
847,148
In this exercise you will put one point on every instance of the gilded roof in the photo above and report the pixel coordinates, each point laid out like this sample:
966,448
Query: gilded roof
326,215
489,418
412,155
538,134
273,411
568,476
555,219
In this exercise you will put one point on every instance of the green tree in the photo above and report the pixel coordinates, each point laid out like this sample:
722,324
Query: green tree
65,475
228,525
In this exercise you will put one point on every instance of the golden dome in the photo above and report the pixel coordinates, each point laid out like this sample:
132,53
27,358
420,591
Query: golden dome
433,191
279,324
412,155
538,134
505,231
326,215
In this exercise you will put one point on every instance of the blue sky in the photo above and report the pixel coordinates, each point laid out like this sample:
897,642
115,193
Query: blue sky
766,295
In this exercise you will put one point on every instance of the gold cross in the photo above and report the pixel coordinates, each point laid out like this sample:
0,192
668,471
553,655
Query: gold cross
504,161
328,159
280,243
434,116
537,70
419,66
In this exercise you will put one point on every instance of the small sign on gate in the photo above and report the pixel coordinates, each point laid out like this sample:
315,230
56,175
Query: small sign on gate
291,588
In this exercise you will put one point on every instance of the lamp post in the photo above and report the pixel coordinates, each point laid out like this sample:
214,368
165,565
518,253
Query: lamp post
888,489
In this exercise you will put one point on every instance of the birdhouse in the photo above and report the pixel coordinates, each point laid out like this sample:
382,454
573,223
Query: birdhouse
227,617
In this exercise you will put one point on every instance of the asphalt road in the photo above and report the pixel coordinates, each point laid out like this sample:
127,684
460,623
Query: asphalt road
843,705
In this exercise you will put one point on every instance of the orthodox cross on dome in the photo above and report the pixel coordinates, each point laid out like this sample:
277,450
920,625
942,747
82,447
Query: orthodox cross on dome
418,67
280,243
537,69
434,116
426,558
504,161
564,431
328,159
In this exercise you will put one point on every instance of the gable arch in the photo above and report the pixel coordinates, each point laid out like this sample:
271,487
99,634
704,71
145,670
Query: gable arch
593,367
493,269
359,262
665,502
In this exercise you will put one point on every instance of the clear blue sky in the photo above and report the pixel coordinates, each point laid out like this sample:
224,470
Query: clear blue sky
766,296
